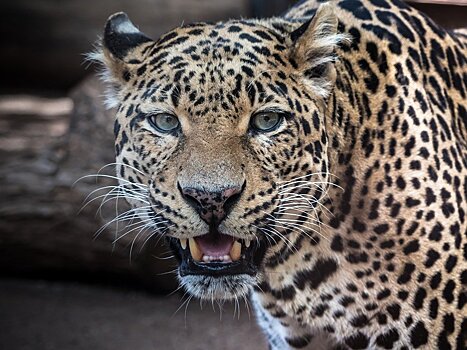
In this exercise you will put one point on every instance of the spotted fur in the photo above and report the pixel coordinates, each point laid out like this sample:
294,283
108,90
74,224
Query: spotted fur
360,193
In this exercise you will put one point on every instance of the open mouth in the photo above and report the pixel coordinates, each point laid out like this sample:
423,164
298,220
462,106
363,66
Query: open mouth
216,254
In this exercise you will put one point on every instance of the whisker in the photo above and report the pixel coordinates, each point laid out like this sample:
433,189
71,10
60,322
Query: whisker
130,214
141,226
308,184
121,164
141,186
169,273
307,176
143,229
283,238
164,258
155,233
302,229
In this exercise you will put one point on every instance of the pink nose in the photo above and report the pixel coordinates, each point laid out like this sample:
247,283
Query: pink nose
213,207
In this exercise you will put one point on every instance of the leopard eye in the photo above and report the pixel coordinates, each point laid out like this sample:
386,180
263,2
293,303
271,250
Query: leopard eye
266,121
164,122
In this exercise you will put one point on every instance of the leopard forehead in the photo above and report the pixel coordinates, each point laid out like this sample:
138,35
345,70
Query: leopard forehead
215,71
221,71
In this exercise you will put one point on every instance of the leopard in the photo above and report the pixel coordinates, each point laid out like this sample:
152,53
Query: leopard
313,164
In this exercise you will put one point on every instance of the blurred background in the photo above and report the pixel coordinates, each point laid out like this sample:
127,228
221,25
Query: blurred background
61,285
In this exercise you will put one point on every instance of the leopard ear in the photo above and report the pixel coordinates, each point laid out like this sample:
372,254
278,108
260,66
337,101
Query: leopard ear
313,49
121,37
119,53
120,45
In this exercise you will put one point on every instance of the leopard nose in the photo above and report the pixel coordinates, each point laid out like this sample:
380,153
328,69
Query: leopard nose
213,207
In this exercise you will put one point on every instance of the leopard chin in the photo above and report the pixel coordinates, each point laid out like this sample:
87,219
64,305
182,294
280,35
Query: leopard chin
222,288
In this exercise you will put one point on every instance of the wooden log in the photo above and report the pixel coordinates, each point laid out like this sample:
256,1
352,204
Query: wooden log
46,144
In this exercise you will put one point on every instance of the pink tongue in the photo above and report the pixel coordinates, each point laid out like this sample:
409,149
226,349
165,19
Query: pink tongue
215,245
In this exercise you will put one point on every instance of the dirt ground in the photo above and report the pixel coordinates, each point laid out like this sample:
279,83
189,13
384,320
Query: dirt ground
39,315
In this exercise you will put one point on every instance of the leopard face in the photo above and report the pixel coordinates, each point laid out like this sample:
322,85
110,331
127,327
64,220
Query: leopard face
219,120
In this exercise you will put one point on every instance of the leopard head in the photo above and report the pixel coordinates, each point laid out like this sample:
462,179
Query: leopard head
221,138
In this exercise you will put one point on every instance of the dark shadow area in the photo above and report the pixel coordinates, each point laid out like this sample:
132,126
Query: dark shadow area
56,316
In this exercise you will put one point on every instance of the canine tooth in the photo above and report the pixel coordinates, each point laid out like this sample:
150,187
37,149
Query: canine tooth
247,243
194,250
236,251
183,243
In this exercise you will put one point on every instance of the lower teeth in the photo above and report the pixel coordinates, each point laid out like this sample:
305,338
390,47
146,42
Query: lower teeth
225,258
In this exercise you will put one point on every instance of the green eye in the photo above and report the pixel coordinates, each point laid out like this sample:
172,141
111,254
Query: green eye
266,121
164,122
